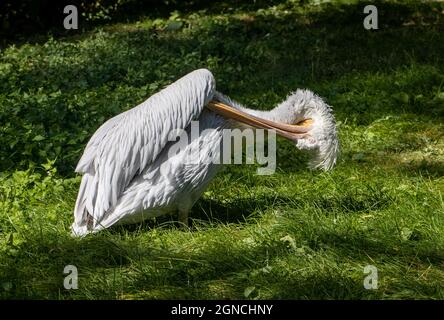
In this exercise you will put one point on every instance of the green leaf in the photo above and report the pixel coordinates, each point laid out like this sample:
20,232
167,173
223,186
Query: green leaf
439,96
7,285
401,97
38,138
358,156
11,239
248,291
406,234
173,25
289,240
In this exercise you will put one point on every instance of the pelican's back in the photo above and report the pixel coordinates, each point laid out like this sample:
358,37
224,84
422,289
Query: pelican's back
126,144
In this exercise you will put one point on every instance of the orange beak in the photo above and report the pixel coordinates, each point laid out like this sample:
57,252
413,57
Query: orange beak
289,131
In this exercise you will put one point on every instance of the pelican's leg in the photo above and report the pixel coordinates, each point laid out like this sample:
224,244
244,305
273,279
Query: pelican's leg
183,218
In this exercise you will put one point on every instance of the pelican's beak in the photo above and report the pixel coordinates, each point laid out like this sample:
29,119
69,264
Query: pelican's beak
289,131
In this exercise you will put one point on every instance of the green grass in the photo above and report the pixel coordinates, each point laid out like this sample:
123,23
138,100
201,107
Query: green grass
294,235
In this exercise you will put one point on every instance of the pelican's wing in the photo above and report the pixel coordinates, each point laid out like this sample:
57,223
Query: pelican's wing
124,145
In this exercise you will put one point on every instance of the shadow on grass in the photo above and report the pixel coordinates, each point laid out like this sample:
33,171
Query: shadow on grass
212,211
48,16
430,169
414,249
36,268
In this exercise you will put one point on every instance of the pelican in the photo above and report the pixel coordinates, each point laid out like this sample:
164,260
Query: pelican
130,173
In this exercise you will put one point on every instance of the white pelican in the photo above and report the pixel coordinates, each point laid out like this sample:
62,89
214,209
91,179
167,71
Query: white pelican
130,175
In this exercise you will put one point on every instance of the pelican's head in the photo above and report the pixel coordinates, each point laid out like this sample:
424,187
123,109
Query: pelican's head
303,118
304,109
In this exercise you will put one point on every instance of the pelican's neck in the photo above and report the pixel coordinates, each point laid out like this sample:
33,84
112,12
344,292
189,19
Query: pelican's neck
273,115
281,113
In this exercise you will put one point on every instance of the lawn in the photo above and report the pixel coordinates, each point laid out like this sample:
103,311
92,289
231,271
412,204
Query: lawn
297,234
